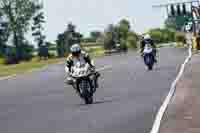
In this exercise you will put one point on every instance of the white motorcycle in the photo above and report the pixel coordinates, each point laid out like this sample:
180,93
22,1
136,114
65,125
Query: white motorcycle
83,81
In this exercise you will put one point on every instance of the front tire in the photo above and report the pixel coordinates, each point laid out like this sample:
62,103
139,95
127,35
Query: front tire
86,91
89,100
149,61
150,67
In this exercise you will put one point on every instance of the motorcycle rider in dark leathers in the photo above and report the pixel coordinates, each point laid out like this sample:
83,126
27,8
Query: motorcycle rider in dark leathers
148,40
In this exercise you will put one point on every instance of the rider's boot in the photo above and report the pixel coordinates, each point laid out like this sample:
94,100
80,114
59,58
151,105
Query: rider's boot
97,75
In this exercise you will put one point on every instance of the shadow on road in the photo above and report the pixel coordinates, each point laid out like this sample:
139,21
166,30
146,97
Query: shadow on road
98,102
101,102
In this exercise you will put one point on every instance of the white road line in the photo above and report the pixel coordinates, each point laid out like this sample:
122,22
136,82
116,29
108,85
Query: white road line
8,77
162,110
29,71
45,67
38,69
104,68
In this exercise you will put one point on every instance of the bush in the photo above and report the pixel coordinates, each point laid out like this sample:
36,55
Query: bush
123,45
11,59
96,51
180,37
51,55
132,40
11,56
109,43
156,36
2,60
162,35
27,53
43,51
1,54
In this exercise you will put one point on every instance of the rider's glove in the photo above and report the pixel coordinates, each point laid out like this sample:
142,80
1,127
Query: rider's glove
67,69
93,68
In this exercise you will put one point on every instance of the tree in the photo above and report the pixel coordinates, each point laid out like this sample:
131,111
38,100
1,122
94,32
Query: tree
18,13
66,39
124,28
156,35
94,35
120,34
71,36
4,33
60,45
162,35
132,40
37,28
109,37
171,23
51,46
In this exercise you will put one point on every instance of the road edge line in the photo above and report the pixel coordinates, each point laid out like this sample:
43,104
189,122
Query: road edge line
104,68
8,77
163,108
29,71
45,67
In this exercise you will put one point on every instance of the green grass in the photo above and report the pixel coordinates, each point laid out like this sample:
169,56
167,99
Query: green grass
6,70
165,45
96,51
1,61
179,45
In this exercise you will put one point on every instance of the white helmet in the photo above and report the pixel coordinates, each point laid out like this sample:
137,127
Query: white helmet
75,49
147,36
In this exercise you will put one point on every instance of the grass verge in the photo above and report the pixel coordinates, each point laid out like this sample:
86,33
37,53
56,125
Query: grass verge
6,70
96,51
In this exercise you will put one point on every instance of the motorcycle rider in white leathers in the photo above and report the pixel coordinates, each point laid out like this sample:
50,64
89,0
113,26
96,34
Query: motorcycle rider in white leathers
78,55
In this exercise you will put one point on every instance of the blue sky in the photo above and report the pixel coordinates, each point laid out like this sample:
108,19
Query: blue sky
97,14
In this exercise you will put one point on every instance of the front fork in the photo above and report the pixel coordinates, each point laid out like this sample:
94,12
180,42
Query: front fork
92,81
76,86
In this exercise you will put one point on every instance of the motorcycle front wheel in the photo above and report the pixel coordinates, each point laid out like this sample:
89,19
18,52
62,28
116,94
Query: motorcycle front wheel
149,61
150,67
89,100
85,90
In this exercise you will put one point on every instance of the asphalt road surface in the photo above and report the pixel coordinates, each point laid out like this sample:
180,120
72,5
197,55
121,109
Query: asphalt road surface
126,102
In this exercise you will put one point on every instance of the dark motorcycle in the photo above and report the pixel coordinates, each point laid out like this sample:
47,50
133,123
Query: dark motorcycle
148,55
